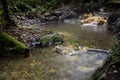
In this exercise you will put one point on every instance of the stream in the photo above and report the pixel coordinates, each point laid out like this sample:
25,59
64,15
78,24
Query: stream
45,64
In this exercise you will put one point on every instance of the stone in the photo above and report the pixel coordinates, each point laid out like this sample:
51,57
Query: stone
100,22
93,20
51,40
47,14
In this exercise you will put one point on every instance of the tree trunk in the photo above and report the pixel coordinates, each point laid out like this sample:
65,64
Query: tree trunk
5,10
6,17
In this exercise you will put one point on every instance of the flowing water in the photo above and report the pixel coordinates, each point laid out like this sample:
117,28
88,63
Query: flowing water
46,65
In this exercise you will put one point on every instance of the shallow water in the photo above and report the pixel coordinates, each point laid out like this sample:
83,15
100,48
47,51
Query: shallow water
88,36
46,65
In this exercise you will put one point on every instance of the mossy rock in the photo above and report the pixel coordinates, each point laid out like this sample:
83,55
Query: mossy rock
51,39
10,46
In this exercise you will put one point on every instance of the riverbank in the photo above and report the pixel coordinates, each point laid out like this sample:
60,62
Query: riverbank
29,30
57,15
111,68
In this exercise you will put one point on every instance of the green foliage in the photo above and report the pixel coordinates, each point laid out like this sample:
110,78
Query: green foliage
44,5
26,5
115,49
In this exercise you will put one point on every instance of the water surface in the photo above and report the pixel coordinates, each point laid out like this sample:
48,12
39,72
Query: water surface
88,36
46,65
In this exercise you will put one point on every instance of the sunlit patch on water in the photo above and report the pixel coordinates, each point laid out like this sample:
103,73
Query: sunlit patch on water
82,64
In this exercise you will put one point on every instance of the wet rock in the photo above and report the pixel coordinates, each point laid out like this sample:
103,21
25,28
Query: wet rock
35,43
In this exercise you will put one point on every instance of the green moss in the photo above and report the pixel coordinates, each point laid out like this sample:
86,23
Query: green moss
51,39
9,42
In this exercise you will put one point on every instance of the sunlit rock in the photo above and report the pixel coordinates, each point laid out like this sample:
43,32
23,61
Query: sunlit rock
91,20
84,16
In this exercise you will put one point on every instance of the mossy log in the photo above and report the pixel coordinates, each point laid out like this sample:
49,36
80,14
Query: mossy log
10,46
